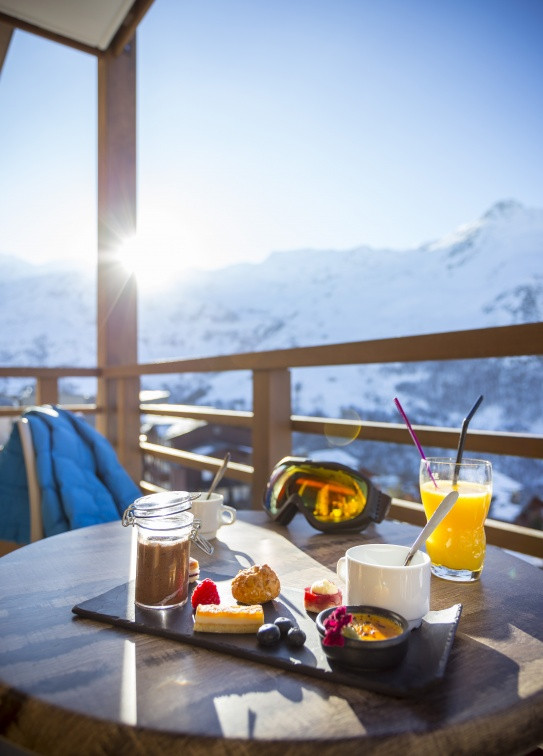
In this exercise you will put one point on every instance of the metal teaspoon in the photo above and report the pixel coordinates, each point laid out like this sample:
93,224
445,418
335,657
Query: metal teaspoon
218,475
444,508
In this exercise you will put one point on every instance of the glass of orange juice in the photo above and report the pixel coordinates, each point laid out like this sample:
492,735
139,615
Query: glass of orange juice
457,546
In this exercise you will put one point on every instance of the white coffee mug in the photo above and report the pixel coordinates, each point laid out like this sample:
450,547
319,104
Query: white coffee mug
375,576
212,513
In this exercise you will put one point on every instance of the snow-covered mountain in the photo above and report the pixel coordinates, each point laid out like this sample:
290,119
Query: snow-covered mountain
488,272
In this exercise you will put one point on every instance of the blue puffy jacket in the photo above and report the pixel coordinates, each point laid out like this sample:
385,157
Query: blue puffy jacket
81,480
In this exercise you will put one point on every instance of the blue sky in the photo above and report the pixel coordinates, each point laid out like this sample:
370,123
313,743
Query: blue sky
284,124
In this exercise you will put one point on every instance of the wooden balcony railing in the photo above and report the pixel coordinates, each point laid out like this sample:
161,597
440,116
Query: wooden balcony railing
271,420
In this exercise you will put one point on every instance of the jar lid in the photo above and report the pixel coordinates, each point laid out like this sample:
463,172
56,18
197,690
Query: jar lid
158,505
167,510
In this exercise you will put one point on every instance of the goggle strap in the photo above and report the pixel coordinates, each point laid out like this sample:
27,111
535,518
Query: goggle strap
288,510
379,504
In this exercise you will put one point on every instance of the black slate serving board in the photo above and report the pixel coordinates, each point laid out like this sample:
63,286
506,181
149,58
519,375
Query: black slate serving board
423,665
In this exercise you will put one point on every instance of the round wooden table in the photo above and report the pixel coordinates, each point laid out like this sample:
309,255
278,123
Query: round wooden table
70,685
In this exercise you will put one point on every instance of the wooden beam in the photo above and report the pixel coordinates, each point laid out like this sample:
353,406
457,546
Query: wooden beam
44,372
130,24
517,538
6,32
479,343
17,23
490,442
84,409
235,470
237,418
117,336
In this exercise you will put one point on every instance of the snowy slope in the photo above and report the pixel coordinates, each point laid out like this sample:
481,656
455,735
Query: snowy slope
488,272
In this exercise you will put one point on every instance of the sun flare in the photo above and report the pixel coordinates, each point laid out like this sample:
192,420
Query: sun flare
157,254
149,263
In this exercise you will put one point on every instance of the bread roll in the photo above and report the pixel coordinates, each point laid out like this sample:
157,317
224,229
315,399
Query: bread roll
256,585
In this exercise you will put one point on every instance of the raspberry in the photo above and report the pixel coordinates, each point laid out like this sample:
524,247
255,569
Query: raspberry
205,593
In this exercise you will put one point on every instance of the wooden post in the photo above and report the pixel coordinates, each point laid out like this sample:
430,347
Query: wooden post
6,33
117,326
46,390
272,438
128,425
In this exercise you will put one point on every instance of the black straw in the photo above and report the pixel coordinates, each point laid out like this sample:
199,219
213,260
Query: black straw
462,440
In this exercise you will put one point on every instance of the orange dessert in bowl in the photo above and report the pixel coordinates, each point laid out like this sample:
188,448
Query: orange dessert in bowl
364,637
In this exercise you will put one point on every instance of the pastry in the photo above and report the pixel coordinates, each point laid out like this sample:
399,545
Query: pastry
256,585
321,595
194,570
216,618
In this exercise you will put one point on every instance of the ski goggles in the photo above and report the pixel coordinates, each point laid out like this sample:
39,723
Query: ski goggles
332,497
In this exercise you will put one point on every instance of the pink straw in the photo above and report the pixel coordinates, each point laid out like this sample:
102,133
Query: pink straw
414,437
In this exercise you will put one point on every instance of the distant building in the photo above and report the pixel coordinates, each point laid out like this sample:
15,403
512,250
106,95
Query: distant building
530,511
199,437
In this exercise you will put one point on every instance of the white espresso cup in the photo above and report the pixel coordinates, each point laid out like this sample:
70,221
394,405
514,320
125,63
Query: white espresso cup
212,513
375,576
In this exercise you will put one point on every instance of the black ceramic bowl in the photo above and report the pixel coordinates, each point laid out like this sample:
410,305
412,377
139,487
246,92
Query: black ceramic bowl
367,654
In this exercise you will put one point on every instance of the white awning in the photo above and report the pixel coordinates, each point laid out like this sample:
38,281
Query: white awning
94,26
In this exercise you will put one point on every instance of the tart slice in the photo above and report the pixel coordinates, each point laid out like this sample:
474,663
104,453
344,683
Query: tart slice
194,570
321,595
216,618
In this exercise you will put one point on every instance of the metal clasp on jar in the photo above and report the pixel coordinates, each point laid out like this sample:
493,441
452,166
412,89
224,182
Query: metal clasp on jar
199,540
128,516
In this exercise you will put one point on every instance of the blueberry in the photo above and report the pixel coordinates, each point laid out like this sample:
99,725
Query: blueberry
268,634
284,624
295,637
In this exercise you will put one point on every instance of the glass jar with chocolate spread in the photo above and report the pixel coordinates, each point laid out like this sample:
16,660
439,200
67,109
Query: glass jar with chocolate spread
165,530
